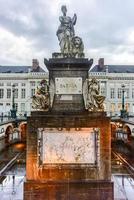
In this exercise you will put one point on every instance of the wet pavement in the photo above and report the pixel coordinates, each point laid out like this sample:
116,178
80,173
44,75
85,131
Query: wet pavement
11,151
12,188
123,179
123,187
11,184
11,181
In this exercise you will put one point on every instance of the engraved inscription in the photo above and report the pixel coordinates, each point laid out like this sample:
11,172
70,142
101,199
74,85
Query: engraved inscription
68,85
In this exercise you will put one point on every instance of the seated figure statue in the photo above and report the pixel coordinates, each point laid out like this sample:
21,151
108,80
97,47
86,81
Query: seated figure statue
94,101
40,101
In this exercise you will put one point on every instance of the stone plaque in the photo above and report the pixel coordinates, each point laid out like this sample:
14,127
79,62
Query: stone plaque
68,146
68,85
66,97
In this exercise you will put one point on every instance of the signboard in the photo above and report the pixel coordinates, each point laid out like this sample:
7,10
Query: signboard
68,85
63,146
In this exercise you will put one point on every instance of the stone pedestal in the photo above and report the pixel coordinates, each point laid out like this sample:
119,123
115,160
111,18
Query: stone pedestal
72,173
55,179
68,76
94,190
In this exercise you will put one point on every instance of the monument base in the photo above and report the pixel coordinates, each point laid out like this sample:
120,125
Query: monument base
57,181
66,77
83,190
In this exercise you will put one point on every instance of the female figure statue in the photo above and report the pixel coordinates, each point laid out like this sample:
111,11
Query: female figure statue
40,101
93,100
65,32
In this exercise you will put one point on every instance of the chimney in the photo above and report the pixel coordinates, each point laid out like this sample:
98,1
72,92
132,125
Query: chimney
101,63
35,65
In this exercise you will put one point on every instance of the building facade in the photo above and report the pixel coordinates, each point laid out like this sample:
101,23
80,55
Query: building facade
25,80
112,78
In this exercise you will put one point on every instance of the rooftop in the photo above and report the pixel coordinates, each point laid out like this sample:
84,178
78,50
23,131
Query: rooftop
113,68
19,69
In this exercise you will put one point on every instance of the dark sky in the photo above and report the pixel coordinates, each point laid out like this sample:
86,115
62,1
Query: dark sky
28,29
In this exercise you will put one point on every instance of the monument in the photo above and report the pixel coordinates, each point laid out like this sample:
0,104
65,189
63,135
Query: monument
68,135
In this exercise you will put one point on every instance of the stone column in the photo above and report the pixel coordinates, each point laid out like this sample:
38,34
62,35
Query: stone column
31,159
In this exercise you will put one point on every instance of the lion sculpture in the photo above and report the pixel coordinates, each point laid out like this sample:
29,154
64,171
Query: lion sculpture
77,47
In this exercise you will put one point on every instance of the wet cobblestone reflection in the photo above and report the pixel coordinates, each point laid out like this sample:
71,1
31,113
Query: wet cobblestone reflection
11,185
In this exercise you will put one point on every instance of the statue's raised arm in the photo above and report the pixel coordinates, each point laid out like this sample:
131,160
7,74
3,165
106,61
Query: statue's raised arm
74,19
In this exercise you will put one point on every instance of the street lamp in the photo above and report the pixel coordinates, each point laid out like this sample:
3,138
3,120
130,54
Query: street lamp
123,111
13,110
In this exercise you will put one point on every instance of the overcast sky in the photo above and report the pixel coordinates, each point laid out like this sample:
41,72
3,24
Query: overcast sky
28,29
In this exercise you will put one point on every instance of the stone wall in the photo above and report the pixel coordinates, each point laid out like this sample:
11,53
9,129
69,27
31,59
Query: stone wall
69,191
40,173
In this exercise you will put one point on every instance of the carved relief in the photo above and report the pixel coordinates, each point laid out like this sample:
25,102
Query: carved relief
68,146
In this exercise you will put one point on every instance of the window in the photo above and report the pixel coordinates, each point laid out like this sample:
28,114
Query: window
119,93
23,84
9,84
8,93
15,93
133,93
133,108
1,84
32,92
127,93
127,107
32,83
8,108
23,93
103,91
16,106
22,107
1,93
112,107
119,106
16,84
112,93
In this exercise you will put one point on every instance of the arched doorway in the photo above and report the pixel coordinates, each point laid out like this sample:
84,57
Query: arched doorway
16,135
113,130
127,130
